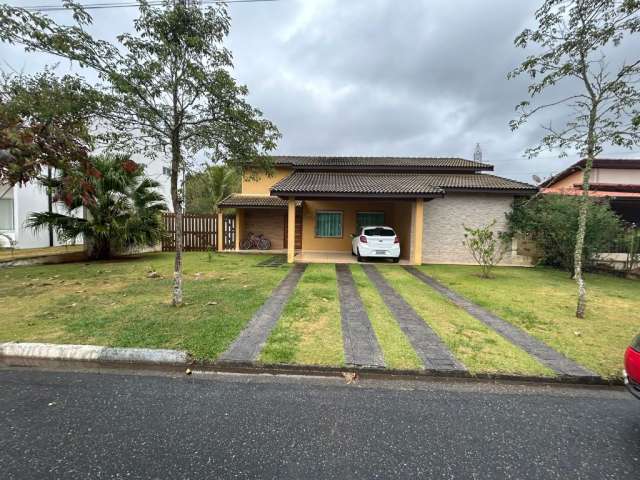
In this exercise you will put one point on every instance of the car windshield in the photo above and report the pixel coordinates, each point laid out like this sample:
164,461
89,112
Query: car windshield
379,232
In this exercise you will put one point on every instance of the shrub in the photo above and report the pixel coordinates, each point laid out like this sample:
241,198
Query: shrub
486,246
552,222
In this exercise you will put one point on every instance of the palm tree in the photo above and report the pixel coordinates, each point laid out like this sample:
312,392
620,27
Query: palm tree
123,209
204,190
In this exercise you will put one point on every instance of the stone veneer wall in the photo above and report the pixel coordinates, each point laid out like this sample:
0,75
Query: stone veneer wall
443,226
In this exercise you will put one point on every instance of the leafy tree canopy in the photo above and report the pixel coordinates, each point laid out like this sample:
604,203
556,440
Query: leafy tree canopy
45,121
552,222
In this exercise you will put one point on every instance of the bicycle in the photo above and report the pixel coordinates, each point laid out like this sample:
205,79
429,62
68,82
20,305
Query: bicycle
253,241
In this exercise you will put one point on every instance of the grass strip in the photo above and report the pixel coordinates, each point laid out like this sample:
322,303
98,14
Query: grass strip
309,331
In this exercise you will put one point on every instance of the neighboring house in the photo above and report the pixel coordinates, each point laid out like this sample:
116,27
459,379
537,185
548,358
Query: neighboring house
19,202
615,179
315,204
16,205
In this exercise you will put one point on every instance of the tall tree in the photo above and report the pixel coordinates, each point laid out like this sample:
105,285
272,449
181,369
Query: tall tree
45,122
172,87
575,43
205,189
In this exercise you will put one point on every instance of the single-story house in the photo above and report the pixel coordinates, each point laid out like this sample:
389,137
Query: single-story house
618,180
311,204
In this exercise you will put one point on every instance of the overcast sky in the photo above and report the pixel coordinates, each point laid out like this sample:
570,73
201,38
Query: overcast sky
375,77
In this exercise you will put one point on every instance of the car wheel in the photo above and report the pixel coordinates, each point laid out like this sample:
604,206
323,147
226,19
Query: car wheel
396,259
359,256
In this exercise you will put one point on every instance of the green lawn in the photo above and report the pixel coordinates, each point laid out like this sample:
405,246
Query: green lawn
542,301
309,331
480,349
115,304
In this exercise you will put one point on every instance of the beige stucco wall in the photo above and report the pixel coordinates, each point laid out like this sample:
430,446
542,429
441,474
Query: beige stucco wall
616,175
568,182
444,219
397,215
260,183
601,175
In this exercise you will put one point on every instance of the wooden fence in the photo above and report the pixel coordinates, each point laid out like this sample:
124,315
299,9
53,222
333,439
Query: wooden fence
198,233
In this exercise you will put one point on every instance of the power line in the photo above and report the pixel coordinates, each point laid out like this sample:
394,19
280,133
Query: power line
108,5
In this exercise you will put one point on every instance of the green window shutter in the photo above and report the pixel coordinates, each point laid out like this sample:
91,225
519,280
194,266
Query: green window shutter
364,219
329,224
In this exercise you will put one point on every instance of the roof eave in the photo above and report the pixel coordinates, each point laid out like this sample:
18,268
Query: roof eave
513,191
390,168
302,195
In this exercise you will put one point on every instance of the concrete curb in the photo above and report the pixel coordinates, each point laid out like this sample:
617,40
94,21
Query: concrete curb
93,353
91,356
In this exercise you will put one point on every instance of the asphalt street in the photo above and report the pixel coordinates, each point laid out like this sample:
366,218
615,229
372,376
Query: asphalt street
122,425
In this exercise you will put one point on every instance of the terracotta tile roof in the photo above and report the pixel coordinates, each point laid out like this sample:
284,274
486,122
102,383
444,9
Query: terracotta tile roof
392,184
254,201
385,163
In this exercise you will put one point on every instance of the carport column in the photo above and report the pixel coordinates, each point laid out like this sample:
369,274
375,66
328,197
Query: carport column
220,231
291,232
418,231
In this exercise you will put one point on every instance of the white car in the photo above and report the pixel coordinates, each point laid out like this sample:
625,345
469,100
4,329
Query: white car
376,241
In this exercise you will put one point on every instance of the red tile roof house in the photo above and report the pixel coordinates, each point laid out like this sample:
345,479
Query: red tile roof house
426,200
615,179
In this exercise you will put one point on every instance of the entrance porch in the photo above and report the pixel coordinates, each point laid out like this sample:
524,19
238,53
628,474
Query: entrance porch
321,229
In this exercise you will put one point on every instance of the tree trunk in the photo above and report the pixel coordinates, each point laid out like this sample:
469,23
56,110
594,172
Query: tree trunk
577,273
582,229
177,208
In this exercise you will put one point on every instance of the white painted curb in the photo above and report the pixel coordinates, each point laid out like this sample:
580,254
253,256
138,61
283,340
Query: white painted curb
93,353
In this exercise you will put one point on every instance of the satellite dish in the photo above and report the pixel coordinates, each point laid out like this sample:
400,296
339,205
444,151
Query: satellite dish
536,178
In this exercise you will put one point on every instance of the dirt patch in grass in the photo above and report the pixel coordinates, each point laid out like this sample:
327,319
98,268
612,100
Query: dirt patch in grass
543,300
309,331
116,304
15,254
398,353
480,349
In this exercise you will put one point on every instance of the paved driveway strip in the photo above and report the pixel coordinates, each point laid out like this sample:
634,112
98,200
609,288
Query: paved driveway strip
534,347
427,344
360,343
252,339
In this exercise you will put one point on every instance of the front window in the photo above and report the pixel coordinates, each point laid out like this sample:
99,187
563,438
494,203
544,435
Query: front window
329,224
365,219
6,214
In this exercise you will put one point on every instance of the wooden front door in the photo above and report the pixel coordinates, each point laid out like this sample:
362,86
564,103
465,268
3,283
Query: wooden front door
298,244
